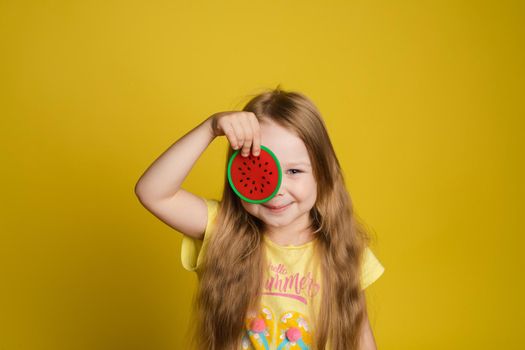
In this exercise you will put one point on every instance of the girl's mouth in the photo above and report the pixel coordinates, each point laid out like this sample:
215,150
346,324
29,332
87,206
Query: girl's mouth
277,209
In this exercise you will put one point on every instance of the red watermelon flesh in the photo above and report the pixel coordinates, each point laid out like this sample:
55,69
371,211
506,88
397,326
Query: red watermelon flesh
255,179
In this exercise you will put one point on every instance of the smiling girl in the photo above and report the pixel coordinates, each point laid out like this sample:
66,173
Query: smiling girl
289,273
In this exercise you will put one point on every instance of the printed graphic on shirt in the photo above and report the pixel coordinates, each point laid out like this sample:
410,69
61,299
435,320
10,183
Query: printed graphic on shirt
260,329
293,285
291,331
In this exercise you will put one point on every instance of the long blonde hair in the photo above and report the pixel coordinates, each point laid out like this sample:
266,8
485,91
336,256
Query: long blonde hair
232,270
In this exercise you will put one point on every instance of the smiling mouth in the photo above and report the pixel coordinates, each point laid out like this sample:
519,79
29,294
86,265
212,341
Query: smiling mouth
276,208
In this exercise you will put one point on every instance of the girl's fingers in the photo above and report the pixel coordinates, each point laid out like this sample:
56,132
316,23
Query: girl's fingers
239,132
247,128
230,134
243,131
256,135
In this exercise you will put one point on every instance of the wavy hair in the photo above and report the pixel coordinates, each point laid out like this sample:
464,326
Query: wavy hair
232,269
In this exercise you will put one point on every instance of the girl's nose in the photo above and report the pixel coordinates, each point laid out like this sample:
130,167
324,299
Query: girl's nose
282,187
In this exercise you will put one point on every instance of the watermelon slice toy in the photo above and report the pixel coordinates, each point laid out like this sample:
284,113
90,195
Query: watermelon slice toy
255,179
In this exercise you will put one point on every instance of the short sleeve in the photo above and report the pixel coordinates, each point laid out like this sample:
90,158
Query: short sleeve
371,270
193,249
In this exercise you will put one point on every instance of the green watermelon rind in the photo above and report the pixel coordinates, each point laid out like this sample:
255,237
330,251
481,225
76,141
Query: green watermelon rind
256,201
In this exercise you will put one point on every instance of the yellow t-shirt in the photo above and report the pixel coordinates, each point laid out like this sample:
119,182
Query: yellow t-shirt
292,289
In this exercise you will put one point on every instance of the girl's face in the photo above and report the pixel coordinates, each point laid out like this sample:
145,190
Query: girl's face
298,189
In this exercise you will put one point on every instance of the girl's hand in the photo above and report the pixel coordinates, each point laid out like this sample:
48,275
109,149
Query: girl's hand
241,128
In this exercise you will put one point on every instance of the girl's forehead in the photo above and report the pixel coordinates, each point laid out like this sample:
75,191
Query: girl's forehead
271,131
287,146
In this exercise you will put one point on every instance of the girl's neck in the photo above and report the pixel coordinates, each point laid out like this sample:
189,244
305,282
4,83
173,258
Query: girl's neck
290,237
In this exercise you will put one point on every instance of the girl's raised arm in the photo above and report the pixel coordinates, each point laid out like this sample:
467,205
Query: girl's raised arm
158,189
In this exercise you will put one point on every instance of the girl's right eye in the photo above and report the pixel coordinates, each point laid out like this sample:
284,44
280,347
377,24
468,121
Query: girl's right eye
298,171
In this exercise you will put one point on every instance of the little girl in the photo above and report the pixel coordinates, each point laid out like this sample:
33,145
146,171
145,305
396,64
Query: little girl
289,273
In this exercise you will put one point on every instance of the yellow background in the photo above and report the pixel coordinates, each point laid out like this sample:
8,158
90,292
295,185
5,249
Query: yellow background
423,101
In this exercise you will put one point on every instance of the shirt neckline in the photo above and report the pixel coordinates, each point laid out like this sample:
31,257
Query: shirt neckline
301,246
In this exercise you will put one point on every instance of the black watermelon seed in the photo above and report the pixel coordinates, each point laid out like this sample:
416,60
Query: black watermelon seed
268,182
244,173
251,191
266,163
245,185
241,181
270,172
253,182
249,168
